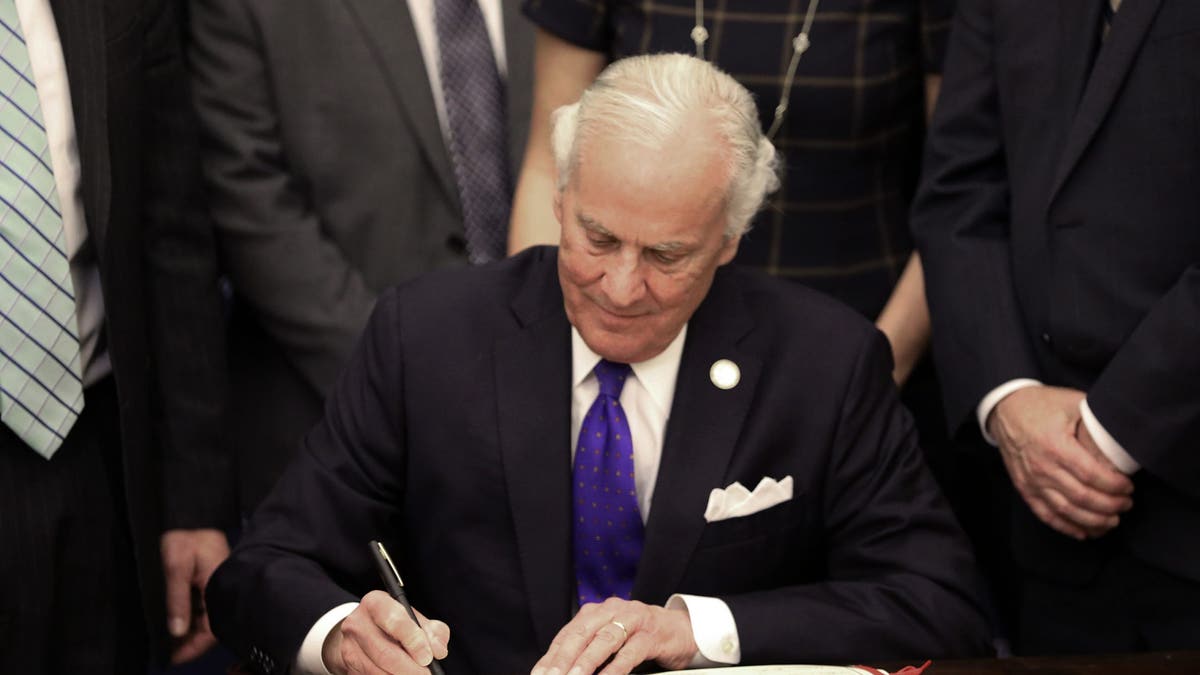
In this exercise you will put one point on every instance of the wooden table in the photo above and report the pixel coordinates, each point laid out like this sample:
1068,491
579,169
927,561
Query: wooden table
1162,663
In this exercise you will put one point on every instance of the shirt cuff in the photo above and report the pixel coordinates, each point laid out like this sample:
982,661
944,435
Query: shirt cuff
993,398
309,661
1108,445
713,629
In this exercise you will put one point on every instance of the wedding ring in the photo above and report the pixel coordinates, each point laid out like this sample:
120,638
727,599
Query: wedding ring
624,633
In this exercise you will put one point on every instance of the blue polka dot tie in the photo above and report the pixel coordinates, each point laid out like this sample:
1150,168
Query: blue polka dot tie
608,526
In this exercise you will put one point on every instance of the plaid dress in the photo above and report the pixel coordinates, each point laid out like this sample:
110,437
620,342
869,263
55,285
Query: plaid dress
851,140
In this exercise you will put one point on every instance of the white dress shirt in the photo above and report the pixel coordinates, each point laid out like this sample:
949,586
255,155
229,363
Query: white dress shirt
422,16
54,96
646,399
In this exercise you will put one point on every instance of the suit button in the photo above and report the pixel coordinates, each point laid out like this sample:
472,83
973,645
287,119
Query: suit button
456,243
1046,338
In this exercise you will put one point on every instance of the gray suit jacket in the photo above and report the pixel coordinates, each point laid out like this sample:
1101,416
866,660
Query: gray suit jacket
329,181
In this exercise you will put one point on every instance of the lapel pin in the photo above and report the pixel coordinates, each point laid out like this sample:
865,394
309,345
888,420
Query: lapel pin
725,374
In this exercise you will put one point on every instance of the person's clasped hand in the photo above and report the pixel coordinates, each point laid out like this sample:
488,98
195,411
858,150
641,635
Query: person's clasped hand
627,632
379,637
1054,464
189,558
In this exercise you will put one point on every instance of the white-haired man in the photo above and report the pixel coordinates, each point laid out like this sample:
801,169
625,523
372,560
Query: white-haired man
621,451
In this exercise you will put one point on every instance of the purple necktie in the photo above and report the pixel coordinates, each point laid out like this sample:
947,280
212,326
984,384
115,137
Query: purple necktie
608,526
477,117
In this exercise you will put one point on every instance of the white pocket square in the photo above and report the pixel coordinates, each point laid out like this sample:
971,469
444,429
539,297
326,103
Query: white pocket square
736,501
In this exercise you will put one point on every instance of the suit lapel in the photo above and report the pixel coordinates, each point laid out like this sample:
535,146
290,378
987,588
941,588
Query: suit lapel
533,369
81,29
388,27
701,437
1077,43
518,45
1113,62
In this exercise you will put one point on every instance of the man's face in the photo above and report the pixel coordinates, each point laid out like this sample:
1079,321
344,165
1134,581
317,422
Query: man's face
642,236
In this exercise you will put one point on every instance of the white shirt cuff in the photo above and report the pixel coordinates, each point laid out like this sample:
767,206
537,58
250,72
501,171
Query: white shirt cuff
993,398
309,661
713,628
1107,444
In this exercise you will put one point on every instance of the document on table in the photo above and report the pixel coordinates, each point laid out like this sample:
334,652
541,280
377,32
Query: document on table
790,670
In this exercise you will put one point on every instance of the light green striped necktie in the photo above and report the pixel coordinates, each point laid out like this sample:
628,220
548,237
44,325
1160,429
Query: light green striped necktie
41,390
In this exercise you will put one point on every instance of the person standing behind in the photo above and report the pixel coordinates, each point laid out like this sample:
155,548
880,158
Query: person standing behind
850,138
113,483
1060,230
350,146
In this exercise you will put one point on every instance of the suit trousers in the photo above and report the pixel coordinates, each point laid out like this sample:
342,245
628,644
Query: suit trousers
1129,607
69,597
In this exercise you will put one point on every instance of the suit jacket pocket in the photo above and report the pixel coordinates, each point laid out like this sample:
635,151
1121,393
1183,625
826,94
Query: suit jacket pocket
762,524
784,553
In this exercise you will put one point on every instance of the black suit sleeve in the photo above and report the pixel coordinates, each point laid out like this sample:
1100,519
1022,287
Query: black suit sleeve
901,575
306,294
961,221
185,312
352,463
1148,396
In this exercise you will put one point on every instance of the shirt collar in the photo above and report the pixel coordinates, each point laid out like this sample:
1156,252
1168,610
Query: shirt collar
657,374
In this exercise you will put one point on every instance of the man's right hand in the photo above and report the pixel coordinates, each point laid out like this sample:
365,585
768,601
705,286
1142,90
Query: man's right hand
379,637
1071,488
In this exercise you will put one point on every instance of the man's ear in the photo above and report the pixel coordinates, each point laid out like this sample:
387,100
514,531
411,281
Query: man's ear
729,249
558,206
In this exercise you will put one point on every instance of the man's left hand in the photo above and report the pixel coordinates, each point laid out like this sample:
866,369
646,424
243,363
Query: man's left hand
189,558
628,632
1070,487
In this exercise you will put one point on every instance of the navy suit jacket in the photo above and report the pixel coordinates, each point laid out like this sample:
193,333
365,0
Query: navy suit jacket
448,438
153,245
1059,226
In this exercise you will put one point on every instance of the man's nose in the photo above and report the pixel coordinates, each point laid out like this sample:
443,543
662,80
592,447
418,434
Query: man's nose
625,281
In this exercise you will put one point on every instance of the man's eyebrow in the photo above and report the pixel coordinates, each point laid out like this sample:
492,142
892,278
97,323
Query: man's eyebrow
592,225
669,247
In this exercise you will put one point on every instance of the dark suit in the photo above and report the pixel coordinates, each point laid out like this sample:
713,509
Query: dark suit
330,181
448,437
1059,227
154,248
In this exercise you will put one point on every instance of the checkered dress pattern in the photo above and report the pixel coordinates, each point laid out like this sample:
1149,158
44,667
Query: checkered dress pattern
851,141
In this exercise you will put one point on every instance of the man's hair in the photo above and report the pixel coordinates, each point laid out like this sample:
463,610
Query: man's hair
647,100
